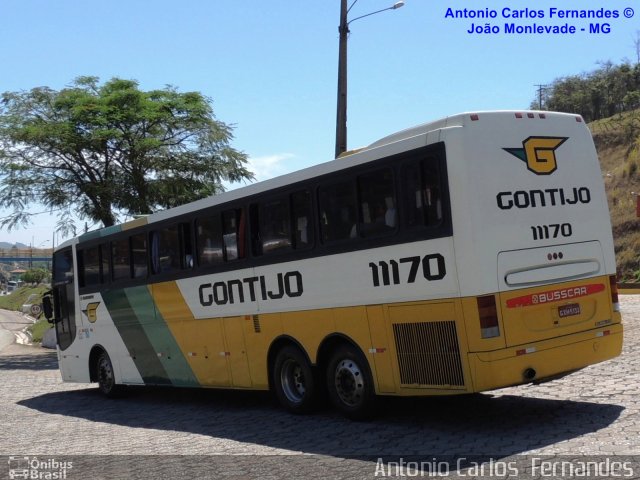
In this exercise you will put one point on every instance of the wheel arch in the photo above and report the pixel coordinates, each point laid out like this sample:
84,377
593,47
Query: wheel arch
330,343
96,350
277,344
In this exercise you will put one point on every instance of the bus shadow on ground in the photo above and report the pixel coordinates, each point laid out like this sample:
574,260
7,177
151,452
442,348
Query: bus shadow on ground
41,361
477,424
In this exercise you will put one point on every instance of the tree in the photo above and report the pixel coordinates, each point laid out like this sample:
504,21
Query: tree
103,150
35,276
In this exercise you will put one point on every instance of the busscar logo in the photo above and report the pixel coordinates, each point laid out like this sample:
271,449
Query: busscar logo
539,153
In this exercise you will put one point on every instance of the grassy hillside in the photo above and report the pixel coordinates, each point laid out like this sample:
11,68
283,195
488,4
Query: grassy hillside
617,140
15,300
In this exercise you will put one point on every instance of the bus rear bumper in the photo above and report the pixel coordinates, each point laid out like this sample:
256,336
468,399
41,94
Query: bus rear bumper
543,360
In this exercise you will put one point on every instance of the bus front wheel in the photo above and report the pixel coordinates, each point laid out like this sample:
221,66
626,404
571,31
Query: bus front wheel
350,384
106,377
293,380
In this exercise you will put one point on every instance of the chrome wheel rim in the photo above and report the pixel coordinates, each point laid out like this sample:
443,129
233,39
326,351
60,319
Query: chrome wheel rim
349,382
292,381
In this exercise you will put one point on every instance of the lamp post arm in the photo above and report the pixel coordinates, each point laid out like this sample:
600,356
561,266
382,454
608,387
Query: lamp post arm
369,14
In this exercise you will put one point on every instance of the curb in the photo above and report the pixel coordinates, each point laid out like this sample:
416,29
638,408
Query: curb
629,288
23,337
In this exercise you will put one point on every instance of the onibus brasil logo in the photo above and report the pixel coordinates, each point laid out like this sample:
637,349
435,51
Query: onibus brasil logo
539,153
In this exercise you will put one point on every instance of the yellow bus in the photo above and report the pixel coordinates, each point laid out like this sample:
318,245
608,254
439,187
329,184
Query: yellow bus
459,256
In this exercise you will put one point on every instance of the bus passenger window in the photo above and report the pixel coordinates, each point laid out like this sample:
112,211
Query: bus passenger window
89,266
378,214
187,246
275,226
209,240
104,258
233,236
301,215
423,197
337,212
139,255
120,255
165,250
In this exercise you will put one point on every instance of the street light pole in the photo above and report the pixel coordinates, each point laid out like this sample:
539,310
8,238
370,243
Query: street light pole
341,116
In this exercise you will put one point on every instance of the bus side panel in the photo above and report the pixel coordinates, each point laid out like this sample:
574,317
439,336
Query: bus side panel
260,331
429,342
99,329
201,341
381,347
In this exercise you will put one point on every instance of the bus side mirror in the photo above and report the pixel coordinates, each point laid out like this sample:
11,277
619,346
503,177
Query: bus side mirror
47,306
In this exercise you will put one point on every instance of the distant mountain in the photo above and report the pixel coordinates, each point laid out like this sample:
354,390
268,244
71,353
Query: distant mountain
10,245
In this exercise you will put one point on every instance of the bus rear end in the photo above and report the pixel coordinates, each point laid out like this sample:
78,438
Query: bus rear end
533,244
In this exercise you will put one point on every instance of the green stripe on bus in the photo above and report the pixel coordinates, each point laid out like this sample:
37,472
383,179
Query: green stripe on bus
167,349
99,233
135,338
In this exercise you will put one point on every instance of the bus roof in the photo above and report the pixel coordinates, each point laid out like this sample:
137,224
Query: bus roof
386,146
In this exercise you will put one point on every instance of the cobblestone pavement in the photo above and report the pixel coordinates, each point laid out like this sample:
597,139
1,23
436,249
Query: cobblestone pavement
592,412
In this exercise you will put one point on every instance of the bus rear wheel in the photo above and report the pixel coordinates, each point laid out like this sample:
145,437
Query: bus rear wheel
350,384
294,381
106,377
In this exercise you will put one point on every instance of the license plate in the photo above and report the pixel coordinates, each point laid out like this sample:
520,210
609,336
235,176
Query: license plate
569,310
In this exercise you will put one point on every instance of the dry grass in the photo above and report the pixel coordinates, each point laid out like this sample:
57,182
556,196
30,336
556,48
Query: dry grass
617,140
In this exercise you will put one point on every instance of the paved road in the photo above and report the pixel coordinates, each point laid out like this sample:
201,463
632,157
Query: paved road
593,412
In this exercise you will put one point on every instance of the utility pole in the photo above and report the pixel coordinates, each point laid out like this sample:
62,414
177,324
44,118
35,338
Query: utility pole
541,88
341,118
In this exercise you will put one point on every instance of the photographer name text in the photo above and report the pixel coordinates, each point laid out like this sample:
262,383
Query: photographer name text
537,21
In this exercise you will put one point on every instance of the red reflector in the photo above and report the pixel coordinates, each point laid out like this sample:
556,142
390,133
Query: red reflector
579,119
613,285
488,314
530,115
614,288
474,117
518,115
542,115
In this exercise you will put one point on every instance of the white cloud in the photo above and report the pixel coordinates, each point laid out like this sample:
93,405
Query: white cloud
270,166
266,167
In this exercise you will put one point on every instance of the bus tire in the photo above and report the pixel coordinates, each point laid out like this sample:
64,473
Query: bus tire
350,384
294,381
106,377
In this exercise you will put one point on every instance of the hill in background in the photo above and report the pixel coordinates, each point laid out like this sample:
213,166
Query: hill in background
617,141
10,245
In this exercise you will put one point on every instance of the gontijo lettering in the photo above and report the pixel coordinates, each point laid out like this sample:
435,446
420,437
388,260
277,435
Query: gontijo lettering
231,291
549,197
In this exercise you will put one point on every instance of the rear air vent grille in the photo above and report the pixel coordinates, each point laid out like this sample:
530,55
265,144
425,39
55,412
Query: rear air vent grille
428,354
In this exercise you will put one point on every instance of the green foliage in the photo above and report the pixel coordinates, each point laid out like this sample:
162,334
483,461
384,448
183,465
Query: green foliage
608,90
38,329
101,150
36,275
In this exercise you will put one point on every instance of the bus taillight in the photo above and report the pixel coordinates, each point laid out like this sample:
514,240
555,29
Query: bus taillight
614,293
488,314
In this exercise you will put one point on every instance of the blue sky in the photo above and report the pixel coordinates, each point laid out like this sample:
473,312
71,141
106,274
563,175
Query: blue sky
271,67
